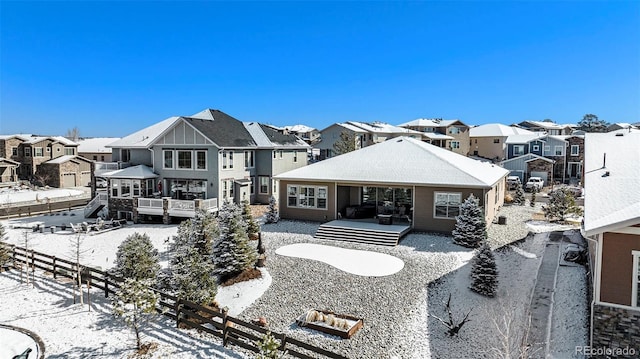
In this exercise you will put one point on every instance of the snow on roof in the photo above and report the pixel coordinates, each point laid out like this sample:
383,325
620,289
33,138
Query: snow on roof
436,136
9,161
519,139
497,130
381,127
528,158
61,159
547,125
134,172
612,179
23,137
63,140
429,122
299,128
96,145
145,137
401,160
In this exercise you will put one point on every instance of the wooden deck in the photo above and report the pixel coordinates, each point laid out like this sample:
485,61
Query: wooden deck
363,231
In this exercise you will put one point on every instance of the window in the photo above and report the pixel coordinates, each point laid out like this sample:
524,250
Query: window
122,188
227,160
307,196
454,130
518,150
455,144
125,155
295,156
264,185
557,150
184,160
201,160
136,188
125,188
280,154
38,152
253,185
102,158
14,151
27,151
447,205
168,159
547,150
635,286
150,188
496,140
535,148
68,151
248,159
575,150
95,158
274,155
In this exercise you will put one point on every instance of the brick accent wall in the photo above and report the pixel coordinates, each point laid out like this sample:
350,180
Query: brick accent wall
119,204
616,328
540,165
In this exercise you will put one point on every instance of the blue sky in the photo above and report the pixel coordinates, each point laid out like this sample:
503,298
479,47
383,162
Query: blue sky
112,68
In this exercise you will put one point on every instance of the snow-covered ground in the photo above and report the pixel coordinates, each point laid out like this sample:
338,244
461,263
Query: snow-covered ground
11,196
395,307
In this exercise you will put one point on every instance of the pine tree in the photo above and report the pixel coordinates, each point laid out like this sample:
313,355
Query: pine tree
591,123
247,217
272,215
534,190
519,195
561,203
232,252
5,250
269,347
136,258
346,143
484,272
471,228
135,302
191,263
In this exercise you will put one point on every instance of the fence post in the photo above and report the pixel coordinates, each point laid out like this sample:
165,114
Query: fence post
283,342
225,330
55,272
106,284
178,307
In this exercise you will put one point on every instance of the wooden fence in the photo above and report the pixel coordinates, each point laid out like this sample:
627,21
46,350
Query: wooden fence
217,323
19,210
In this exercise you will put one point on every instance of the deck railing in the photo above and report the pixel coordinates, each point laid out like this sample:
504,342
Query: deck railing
101,199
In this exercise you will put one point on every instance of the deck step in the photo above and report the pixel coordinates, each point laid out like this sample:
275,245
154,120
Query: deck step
360,235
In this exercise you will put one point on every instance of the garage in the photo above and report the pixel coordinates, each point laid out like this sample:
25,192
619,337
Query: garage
85,178
68,180
543,175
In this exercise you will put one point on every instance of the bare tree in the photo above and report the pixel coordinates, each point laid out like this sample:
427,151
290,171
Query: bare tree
512,332
346,143
73,134
453,326
25,244
77,253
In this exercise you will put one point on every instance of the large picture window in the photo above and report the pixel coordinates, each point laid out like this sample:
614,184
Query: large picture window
447,205
184,160
125,188
307,196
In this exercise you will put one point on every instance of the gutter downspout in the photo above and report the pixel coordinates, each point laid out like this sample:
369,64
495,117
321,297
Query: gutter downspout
593,289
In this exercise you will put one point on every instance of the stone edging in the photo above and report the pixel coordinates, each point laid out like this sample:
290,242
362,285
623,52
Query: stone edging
33,336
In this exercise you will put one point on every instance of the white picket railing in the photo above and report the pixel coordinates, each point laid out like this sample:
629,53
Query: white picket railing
150,206
101,199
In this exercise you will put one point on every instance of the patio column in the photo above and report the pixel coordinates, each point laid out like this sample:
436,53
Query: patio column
134,210
166,219
197,204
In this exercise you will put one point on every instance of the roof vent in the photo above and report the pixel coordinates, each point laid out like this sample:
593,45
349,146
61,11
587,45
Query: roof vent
619,134
606,174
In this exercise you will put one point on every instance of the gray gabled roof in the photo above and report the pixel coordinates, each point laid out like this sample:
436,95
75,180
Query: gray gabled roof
134,172
221,129
401,161
145,137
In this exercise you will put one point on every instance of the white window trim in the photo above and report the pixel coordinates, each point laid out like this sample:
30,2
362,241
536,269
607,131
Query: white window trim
227,160
260,184
577,148
35,152
173,159
251,163
520,152
177,163
27,151
195,160
455,144
435,196
315,196
634,279
118,183
555,148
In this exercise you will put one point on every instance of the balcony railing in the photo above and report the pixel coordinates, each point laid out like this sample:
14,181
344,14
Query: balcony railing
150,206
175,207
100,200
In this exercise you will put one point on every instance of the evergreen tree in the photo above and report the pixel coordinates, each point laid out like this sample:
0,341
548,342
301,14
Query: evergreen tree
191,263
135,302
484,272
519,199
269,347
534,190
272,215
591,123
471,228
247,217
232,252
346,143
136,258
5,250
561,203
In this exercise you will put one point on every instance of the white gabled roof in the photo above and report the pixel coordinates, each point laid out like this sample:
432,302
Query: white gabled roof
299,128
436,136
145,137
521,139
381,127
134,172
401,160
497,130
63,140
429,122
65,158
528,158
612,181
96,145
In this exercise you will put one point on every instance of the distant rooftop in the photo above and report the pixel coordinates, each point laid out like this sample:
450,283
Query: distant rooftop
497,130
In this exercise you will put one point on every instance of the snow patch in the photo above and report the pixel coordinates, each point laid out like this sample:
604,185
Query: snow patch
523,252
544,226
362,263
13,343
240,296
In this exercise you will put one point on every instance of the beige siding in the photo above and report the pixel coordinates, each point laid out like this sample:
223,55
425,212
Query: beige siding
486,148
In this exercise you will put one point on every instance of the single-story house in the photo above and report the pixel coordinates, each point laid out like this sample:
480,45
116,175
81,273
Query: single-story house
403,177
612,227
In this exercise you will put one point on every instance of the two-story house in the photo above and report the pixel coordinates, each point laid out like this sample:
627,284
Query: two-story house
364,134
550,128
488,140
49,160
449,134
187,162
96,148
308,134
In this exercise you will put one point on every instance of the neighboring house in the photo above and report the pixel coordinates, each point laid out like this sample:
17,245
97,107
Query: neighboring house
488,140
612,227
32,151
199,158
365,133
620,126
575,157
66,171
308,134
530,165
96,148
403,177
8,170
449,134
550,128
